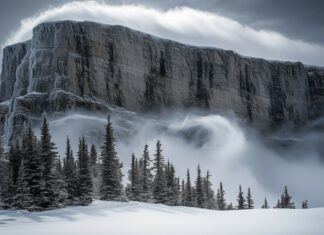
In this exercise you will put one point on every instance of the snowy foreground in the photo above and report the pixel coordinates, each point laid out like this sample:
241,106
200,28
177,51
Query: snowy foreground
117,218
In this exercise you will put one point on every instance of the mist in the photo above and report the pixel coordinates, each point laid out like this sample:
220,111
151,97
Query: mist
233,152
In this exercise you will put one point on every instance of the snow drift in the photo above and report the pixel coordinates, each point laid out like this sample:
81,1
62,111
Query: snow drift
114,218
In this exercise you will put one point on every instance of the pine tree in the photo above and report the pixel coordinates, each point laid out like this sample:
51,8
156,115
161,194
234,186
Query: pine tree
95,167
22,198
31,185
240,199
249,200
111,187
200,193
278,205
146,175
160,181
93,155
178,192
50,193
59,169
70,175
183,194
218,199
134,188
221,202
84,174
282,201
305,204
60,186
172,186
193,193
209,192
230,207
286,200
265,204
188,197
14,158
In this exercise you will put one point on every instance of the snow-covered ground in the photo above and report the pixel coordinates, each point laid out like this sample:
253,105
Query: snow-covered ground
118,218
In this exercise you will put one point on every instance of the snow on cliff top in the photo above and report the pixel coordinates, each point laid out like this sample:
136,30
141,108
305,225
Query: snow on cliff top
118,218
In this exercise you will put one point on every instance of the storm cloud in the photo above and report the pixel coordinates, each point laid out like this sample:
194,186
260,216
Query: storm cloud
301,19
184,24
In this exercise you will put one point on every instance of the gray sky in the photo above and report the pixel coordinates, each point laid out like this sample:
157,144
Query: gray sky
297,19
299,23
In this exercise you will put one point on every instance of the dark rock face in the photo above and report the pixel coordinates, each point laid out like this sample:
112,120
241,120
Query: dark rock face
315,92
70,66
12,57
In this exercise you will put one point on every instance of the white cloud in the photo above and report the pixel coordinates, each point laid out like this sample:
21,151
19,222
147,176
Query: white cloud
183,24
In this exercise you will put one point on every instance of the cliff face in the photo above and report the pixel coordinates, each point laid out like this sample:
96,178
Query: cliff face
85,66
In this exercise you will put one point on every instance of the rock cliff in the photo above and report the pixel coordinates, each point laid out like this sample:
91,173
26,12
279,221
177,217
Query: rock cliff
69,66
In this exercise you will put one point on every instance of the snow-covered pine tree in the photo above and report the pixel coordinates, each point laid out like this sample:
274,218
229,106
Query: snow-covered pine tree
134,188
95,169
286,200
58,166
240,199
146,175
265,204
183,194
218,199
84,174
193,193
278,205
14,162
221,202
60,184
70,175
200,192
93,155
282,199
111,187
178,191
21,199
172,187
209,192
168,189
305,204
31,185
230,206
51,193
188,197
249,200
160,181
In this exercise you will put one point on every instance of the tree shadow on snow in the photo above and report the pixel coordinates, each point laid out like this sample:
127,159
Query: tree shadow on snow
97,208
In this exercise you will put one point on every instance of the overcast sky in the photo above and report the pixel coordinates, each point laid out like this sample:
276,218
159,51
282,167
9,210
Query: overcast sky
300,23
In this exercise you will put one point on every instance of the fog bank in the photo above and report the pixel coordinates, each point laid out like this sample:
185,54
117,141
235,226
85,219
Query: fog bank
233,153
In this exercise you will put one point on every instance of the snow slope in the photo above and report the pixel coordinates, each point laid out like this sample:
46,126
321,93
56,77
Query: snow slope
118,218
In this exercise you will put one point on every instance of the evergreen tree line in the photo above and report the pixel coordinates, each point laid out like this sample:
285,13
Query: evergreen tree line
33,177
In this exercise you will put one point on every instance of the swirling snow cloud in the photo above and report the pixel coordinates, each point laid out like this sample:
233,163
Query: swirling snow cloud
182,24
